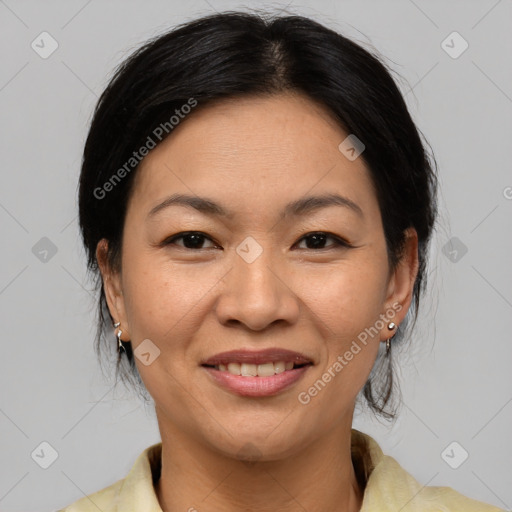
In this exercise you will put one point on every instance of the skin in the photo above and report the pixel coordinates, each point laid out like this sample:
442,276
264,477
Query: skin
253,156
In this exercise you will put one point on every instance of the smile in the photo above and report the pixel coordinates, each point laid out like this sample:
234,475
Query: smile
257,374
257,370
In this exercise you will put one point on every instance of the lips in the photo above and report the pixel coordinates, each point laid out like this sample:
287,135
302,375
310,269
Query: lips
272,355
260,373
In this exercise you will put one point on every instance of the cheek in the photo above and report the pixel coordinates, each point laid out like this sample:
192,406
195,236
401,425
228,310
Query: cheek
350,297
165,301
349,302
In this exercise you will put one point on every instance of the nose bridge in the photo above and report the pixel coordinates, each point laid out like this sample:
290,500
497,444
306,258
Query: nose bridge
256,294
255,279
257,275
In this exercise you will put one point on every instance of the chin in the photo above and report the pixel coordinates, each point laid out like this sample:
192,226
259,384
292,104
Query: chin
259,441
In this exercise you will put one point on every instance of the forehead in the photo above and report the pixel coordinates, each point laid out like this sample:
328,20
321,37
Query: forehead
262,126
253,151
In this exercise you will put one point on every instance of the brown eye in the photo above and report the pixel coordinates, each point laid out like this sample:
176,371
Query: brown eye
317,241
191,240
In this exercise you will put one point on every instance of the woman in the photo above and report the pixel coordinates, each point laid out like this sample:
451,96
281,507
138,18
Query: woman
257,204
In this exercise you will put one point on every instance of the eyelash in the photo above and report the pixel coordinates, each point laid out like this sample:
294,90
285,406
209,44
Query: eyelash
338,242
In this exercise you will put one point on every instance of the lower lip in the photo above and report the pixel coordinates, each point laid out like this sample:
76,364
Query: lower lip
257,386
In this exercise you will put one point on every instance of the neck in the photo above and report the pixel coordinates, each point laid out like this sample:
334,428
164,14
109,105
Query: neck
319,478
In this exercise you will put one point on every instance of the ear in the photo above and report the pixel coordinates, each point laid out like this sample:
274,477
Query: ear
401,283
113,289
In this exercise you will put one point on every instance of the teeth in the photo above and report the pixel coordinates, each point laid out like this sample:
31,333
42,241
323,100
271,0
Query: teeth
256,370
233,368
266,370
248,370
279,367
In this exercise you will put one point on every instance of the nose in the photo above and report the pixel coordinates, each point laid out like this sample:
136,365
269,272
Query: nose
257,295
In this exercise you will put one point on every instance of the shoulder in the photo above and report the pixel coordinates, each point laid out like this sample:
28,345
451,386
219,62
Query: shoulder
393,484
134,492
104,500
390,488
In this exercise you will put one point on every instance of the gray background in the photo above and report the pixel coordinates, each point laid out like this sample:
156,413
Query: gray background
456,377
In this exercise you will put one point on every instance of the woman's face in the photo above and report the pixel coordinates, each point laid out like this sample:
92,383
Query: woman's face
256,278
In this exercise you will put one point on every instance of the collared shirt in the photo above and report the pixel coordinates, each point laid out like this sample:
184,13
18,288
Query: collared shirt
389,488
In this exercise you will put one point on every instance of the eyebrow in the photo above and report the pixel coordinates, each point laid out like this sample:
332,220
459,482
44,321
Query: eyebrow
299,207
